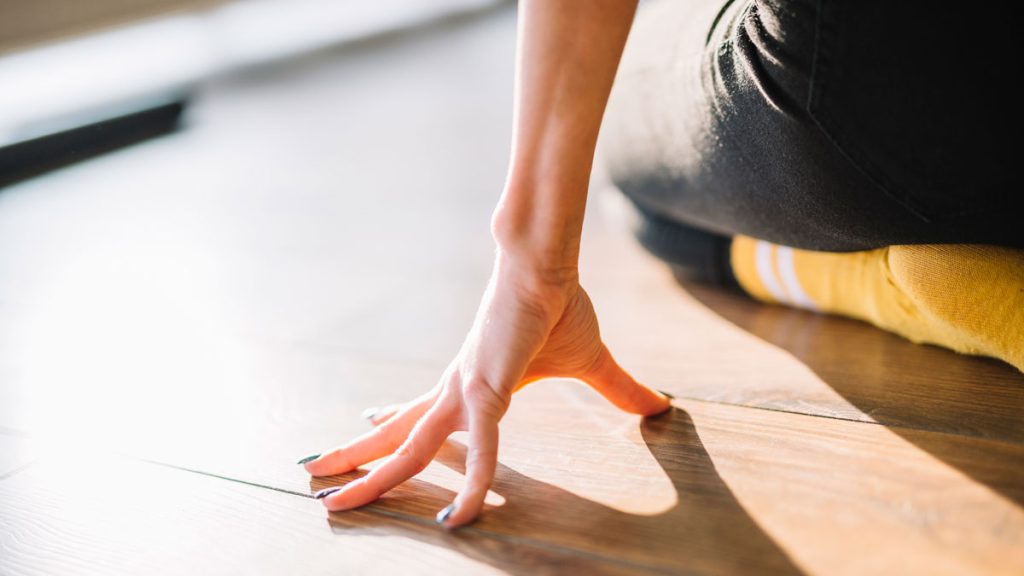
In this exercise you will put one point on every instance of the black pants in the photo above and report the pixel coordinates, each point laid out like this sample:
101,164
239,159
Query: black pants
819,124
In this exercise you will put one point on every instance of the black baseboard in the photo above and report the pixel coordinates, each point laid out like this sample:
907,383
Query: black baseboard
40,155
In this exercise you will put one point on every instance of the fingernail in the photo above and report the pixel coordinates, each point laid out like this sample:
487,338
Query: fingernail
308,459
670,396
445,513
326,492
369,413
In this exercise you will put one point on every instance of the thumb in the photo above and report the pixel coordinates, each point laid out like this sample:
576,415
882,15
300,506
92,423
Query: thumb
621,389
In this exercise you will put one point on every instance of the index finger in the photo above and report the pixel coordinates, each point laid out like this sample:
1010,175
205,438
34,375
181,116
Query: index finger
411,457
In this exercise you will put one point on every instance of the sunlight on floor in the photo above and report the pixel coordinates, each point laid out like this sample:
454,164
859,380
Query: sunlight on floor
118,338
622,474
766,472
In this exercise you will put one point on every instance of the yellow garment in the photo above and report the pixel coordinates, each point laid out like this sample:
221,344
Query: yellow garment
966,297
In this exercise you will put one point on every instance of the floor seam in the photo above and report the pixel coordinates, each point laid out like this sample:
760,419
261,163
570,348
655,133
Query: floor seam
418,520
854,420
16,471
7,431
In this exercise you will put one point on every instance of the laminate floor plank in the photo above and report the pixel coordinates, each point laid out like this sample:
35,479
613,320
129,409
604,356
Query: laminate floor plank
726,489
710,488
101,515
705,343
330,244
230,298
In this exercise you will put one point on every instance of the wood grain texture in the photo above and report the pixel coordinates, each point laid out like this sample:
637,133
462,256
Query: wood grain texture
708,344
119,517
724,489
708,488
229,299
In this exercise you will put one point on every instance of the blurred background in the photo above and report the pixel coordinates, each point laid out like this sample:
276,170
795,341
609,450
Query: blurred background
71,64
206,201
228,228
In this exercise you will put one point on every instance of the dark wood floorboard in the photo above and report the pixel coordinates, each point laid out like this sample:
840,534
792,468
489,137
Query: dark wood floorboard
186,318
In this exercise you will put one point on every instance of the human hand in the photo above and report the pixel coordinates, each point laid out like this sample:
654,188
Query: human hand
528,327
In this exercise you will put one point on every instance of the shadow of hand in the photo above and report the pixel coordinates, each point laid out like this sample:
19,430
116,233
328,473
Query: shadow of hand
544,527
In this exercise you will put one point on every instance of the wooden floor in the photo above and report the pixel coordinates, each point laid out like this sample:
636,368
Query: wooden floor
181,321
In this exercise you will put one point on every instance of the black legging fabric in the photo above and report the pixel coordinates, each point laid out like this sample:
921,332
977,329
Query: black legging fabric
825,125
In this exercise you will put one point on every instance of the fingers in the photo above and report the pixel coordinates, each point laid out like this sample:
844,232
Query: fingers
481,462
615,384
409,459
376,443
378,416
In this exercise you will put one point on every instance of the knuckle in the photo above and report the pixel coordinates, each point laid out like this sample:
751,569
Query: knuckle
337,457
369,488
481,396
409,451
477,455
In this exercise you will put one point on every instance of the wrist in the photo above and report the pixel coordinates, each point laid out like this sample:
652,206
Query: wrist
529,245
541,273
538,222
545,289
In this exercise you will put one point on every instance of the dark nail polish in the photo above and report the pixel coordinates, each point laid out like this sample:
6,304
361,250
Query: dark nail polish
670,396
309,458
326,492
445,513
369,413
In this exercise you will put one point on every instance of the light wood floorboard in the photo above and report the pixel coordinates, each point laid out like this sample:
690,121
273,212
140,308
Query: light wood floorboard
184,319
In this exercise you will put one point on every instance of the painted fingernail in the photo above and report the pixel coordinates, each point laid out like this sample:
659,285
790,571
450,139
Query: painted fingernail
445,513
670,396
326,492
308,459
369,413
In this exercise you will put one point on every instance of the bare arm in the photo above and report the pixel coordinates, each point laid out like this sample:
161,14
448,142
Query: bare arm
568,52
534,320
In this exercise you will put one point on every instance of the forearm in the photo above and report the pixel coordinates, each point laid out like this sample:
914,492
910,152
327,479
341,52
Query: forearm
568,52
